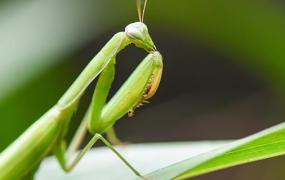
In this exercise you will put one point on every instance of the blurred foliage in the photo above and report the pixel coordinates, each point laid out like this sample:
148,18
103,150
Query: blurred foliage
38,38
252,30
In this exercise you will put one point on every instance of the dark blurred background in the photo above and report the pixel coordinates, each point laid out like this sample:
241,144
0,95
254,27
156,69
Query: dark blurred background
224,69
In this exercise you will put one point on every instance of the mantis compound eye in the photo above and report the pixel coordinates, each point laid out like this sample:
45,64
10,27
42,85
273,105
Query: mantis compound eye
138,33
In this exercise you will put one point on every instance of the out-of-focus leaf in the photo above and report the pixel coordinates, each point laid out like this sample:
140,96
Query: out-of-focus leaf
252,31
263,145
35,35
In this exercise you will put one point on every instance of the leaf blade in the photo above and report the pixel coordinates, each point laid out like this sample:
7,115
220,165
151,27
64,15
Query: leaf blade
265,144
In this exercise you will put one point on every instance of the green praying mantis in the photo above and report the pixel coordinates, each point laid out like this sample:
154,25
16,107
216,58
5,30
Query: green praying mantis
46,136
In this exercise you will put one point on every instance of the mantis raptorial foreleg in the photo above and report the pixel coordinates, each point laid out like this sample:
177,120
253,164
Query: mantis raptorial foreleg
98,106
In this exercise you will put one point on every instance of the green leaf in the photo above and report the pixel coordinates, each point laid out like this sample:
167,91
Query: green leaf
263,145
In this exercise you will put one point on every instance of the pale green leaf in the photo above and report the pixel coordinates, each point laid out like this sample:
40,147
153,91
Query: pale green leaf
263,145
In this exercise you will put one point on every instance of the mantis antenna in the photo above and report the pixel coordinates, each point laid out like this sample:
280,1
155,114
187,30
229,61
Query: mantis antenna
141,5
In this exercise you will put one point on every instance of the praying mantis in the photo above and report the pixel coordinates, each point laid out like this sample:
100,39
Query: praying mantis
46,136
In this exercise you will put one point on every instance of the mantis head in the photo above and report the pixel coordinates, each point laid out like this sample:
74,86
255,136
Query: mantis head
138,34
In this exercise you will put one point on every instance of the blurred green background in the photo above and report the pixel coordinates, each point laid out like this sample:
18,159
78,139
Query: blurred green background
224,69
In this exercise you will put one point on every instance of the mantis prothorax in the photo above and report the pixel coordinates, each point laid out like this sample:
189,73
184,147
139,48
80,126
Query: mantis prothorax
47,135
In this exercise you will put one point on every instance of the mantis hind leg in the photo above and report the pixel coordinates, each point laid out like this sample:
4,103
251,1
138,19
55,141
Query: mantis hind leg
68,164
